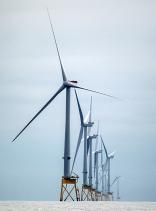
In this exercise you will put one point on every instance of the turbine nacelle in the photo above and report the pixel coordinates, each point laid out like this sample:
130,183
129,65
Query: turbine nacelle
98,151
88,124
70,83
111,155
74,82
93,136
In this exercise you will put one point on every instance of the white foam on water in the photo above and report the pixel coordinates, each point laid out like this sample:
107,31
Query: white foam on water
76,206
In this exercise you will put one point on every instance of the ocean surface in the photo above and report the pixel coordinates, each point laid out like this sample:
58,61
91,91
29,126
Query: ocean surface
75,206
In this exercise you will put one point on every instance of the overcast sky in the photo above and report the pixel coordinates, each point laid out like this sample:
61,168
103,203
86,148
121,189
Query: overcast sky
108,46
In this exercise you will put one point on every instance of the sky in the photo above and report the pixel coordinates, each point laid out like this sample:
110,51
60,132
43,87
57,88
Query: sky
109,46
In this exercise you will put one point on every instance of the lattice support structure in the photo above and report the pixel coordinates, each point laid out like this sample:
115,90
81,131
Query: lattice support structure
93,194
69,189
98,196
104,197
87,193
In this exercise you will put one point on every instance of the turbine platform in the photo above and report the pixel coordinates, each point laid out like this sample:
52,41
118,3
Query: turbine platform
69,189
107,196
87,193
98,196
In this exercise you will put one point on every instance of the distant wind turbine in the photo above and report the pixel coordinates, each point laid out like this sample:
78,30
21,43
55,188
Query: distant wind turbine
90,147
96,144
108,158
117,180
85,124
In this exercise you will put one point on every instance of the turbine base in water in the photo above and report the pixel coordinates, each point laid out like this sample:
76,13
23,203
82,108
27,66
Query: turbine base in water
87,193
107,196
69,189
98,196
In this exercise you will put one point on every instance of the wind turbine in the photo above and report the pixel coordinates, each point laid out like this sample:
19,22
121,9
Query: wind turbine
90,146
108,158
117,180
118,190
103,173
66,85
85,124
91,191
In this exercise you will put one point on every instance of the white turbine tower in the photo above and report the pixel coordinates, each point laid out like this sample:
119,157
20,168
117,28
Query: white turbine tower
97,169
102,171
67,85
96,145
90,140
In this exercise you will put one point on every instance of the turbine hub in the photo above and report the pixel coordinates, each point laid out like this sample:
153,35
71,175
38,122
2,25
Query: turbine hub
90,124
70,83
95,136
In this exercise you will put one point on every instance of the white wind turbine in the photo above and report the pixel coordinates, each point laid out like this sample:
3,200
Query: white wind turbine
90,147
117,181
107,164
85,125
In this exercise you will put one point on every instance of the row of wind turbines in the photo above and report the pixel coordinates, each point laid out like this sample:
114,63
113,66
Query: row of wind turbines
94,149
91,164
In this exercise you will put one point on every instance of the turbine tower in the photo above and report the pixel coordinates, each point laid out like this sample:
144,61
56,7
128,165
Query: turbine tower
103,176
97,168
67,85
90,140
96,145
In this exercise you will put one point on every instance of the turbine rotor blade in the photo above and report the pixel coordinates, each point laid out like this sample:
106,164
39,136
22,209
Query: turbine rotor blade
111,155
90,90
104,146
62,70
77,148
80,110
86,119
51,99
105,165
115,180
